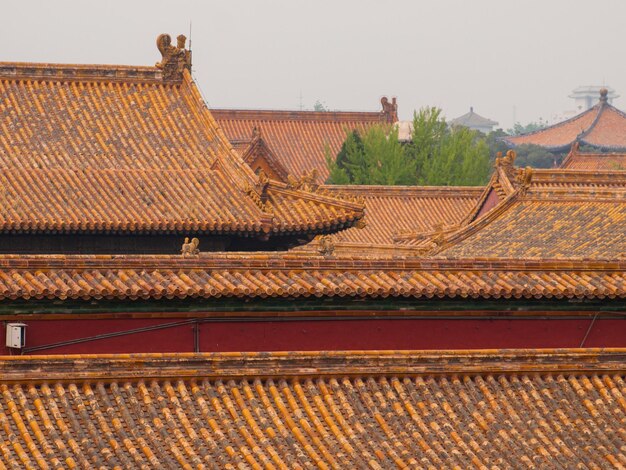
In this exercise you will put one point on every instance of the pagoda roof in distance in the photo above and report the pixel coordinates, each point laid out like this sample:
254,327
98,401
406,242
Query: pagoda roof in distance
472,119
602,126
124,149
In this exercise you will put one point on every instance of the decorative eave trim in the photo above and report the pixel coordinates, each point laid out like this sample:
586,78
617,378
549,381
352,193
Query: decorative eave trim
296,365
290,261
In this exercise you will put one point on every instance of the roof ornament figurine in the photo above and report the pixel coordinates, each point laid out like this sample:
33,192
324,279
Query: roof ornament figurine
174,58
508,159
258,192
361,224
190,248
307,182
390,109
525,176
506,163
326,246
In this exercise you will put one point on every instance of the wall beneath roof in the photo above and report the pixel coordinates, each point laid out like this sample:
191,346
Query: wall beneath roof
73,336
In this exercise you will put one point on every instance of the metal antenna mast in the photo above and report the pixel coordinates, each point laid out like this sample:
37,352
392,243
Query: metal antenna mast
189,34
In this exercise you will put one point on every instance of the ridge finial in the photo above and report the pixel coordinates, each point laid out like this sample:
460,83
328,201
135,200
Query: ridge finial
174,59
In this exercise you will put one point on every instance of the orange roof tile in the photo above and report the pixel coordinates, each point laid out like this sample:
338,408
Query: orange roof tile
90,148
542,214
383,409
576,160
295,275
258,154
297,139
390,212
395,209
602,126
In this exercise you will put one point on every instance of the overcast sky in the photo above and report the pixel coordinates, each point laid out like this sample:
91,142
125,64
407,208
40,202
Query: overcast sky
505,58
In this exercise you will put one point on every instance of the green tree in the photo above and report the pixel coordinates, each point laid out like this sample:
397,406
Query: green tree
519,129
496,143
319,106
436,155
447,156
375,158
536,156
429,130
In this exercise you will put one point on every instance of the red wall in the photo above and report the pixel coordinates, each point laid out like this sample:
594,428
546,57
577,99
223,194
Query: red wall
323,335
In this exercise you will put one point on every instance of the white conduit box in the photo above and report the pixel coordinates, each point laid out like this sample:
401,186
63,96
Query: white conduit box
16,335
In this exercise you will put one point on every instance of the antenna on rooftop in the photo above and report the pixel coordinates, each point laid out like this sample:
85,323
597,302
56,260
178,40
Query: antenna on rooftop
189,34
300,100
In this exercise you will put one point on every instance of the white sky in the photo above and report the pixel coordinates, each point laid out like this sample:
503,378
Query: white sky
502,57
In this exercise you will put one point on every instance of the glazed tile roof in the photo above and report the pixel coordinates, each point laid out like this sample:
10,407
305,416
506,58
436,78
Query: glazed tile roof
298,139
108,200
602,126
576,160
393,210
287,275
256,151
485,409
538,214
114,148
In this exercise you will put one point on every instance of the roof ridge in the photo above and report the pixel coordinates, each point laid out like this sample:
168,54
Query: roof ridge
402,190
558,124
225,366
297,115
603,105
476,225
257,141
80,72
288,261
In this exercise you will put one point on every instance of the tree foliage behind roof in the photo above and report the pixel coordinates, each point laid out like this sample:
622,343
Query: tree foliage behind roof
377,157
437,155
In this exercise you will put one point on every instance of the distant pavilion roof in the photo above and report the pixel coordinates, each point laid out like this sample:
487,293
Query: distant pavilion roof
602,126
472,120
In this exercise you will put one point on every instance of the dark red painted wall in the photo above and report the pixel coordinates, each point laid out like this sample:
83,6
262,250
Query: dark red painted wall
323,335
491,202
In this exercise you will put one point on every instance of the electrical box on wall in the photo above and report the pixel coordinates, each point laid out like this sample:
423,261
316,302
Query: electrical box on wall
16,335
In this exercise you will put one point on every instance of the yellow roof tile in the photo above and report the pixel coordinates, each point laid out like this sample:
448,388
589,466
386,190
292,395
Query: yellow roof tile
94,147
327,409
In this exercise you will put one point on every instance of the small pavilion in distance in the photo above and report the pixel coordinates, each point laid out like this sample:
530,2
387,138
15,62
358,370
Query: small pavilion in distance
475,122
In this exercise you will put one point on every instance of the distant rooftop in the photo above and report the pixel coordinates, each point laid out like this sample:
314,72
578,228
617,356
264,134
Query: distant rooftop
593,90
473,121
601,126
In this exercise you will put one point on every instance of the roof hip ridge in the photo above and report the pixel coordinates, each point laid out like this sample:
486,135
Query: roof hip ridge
299,364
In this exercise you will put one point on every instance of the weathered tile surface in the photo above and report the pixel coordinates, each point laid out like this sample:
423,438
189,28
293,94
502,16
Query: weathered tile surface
505,409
